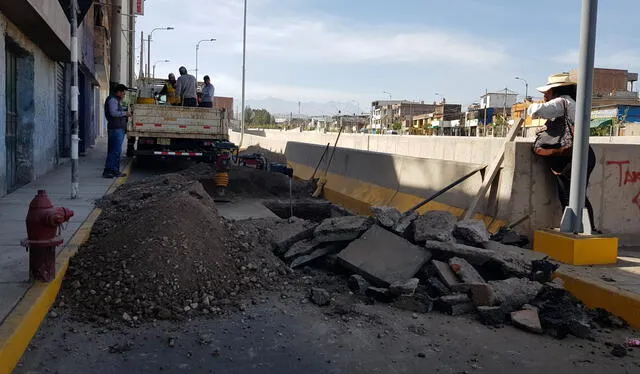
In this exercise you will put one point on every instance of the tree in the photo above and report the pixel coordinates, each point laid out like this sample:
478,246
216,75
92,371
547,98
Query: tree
396,126
249,116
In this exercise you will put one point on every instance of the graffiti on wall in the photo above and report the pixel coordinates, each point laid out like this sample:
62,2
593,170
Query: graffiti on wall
627,176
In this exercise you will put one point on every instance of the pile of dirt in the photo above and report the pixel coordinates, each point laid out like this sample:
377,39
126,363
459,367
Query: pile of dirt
265,184
270,156
159,250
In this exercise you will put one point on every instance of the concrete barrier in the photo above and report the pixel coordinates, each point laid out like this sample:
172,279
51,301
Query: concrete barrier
400,170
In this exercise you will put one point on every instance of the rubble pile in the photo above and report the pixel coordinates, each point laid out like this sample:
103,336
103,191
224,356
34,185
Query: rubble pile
420,263
159,250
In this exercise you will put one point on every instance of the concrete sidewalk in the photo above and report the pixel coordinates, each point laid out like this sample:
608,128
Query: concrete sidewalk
14,263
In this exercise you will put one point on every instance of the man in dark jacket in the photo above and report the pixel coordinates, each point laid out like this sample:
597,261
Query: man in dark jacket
116,126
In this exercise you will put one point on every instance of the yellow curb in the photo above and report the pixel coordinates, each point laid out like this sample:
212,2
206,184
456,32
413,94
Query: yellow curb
598,294
21,325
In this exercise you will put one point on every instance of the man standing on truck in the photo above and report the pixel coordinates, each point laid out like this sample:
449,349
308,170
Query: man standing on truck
169,90
207,93
116,126
186,88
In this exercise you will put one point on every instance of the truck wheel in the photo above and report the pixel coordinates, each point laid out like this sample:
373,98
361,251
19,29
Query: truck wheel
131,142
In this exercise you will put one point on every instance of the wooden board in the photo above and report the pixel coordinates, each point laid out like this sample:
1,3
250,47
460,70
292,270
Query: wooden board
492,172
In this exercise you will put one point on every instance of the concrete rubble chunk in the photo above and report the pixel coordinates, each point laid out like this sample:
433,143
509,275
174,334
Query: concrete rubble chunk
446,275
434,225
455,305
379,293
435,286
482,294
473,255
404,223
414,303
340,229
316,254
406,288
281,246
472,232
383,258
465,271
303,247
527,320
491,315
320,296
513,293
357,284
386,216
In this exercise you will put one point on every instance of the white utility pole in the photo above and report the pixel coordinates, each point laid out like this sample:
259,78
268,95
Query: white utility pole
75,92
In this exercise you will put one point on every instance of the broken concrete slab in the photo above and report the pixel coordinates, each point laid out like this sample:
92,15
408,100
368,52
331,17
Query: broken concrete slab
513,293
436,287
491,315
357,284
472,232
455,305
379,293
527,320
465,271
407,288
383,257
283,244
482,294
475,256
340,229
386,216
434,225
320,296
404,223
316,254
446,275
303,247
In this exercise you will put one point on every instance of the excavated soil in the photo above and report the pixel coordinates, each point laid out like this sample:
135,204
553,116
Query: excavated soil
160,250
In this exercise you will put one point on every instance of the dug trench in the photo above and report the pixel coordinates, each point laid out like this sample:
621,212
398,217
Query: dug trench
160,251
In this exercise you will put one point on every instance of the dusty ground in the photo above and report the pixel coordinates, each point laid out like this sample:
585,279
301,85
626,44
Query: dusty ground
283,333
280,331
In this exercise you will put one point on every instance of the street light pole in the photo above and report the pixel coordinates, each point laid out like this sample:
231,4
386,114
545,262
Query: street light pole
244,55
526,87
154,67
575,219
197,49
149,47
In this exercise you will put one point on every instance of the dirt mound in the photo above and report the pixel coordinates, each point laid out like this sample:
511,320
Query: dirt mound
270,156
265,184
159,250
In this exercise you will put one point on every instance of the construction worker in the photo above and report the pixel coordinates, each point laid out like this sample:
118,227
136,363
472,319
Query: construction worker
169,90
116,127
207,93
186,88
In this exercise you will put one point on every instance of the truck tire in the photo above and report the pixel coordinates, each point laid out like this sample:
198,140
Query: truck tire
131,142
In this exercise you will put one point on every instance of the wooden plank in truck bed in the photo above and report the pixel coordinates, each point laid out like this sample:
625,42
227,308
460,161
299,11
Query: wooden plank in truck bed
177,121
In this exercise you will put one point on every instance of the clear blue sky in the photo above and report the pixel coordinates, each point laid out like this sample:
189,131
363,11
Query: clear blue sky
343,50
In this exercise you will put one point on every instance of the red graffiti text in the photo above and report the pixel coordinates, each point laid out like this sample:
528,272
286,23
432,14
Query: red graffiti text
627,176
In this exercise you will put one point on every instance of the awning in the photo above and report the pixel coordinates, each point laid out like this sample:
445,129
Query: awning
601,122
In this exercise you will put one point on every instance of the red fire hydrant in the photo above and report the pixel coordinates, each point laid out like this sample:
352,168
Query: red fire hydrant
43,227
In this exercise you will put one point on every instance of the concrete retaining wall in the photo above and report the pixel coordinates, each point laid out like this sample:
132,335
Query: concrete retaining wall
524,187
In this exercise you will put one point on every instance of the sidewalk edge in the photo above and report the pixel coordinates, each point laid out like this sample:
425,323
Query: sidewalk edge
22,323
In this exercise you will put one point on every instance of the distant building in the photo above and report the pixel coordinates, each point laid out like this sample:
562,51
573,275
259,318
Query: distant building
384,113
499,100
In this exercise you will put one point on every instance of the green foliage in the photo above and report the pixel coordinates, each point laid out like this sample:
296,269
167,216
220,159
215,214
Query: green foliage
259,117
396,126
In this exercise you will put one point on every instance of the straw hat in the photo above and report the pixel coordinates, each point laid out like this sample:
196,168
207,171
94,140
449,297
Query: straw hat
557,80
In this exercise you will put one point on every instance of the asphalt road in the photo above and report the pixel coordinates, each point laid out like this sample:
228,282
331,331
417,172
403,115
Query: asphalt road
282,333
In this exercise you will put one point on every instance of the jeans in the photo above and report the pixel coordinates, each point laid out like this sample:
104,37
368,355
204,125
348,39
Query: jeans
189,102
115,139
563,184
206,104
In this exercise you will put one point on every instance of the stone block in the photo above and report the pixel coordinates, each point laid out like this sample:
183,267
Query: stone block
379,293
465,271
303,247
320,296
282,245
434,225
436,287
482,294
446,275
472,232
316,254
455,305
386,216
513,293
406,288
527,320
340,229
415,303
404,223
383,257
